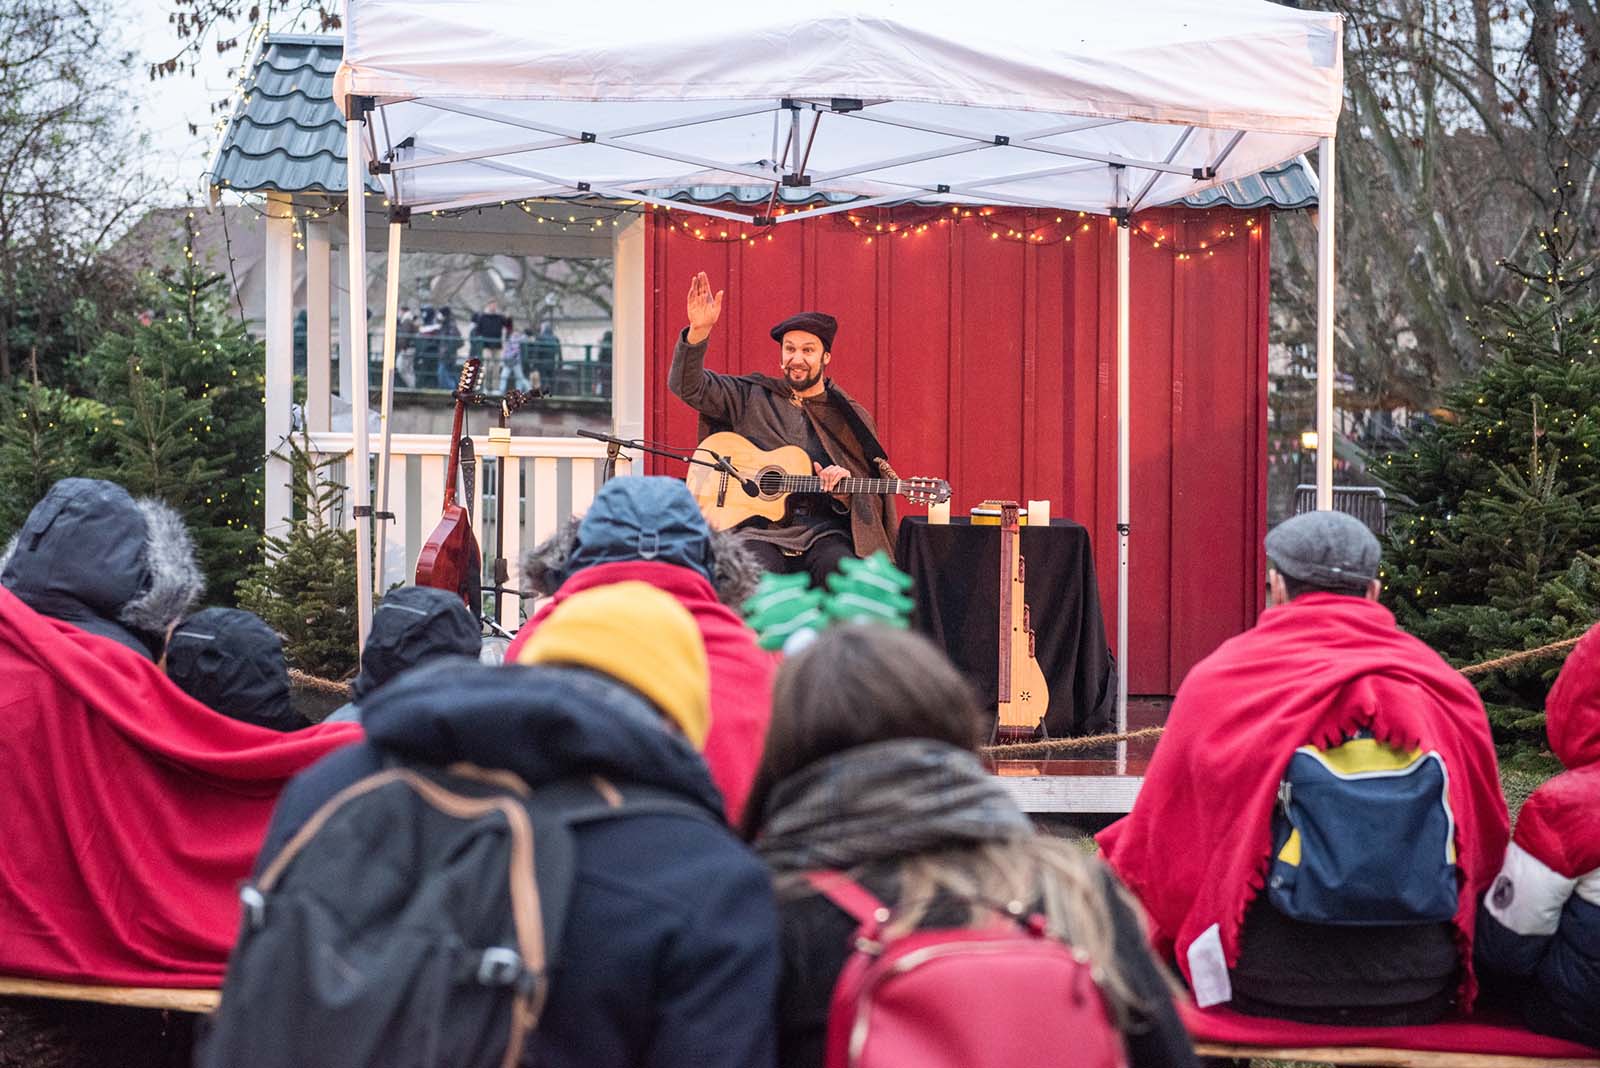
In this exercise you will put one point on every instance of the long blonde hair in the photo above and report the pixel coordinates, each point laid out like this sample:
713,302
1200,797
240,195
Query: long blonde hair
859,685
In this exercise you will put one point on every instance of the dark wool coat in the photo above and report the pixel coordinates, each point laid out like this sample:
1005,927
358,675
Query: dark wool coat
670,946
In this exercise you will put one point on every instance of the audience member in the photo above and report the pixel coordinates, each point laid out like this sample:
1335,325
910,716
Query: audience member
232,662
411,625
669,952
870,769
1539,928
650,530
489,332
544,353
1348,762
93,556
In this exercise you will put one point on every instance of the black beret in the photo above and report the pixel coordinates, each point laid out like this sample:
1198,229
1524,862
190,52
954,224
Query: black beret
819,323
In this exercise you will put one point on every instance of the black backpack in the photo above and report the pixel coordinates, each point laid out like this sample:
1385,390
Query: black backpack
413,920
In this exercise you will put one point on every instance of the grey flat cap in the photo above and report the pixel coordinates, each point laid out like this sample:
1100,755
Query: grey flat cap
1328,549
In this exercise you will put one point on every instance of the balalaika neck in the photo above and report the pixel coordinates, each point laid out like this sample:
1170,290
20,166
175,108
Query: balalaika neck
813,484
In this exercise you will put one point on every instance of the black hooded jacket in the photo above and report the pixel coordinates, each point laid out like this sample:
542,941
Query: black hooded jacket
87,553
670,948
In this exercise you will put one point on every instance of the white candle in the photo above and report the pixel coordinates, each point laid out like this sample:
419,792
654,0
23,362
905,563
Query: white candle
939,513
1038,513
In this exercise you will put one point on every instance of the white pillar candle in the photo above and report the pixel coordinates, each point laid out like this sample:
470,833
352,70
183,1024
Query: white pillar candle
939,513
1038,513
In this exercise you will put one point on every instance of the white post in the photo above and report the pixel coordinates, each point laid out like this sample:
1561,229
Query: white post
391,317
627,331
319,295
1326,281
1123,462
278,497
356,359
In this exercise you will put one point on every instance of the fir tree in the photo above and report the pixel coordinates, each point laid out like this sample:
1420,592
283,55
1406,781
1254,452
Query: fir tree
1498,499
45,435
305,589
185,392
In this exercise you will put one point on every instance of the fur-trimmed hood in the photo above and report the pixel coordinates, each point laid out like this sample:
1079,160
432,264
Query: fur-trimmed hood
91,555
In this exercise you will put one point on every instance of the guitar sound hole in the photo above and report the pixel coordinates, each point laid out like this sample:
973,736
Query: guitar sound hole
770,481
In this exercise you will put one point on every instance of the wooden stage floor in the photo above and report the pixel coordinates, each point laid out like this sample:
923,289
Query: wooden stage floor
1099,784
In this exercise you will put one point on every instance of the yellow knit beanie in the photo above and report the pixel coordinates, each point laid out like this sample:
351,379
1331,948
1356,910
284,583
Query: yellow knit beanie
640,636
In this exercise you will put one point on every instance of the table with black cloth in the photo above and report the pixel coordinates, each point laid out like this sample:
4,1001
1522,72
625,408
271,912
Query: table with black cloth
956,568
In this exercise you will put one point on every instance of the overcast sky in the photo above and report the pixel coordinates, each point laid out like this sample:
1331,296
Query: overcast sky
166,107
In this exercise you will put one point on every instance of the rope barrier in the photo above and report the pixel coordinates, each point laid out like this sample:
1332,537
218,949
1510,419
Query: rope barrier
1516,658
316,685
1061,745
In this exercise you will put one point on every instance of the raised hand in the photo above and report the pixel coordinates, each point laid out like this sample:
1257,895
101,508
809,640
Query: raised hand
704,309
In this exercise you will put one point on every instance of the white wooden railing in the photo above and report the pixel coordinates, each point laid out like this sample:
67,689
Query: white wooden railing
558,478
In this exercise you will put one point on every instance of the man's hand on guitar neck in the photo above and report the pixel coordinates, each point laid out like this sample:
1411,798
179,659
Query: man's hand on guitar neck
704,309
831,476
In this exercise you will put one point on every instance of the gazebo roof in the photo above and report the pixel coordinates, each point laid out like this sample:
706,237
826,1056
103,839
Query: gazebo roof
287,135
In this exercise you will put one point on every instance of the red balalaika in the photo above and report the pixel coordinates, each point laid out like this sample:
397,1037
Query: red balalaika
450,558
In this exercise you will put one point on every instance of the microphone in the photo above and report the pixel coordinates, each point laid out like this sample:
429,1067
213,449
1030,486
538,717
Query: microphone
746,484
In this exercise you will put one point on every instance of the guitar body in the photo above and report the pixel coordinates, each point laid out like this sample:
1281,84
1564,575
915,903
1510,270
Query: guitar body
1023,695
450,559
777,473
723,500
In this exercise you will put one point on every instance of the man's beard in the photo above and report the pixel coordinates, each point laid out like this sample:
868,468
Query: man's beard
805,384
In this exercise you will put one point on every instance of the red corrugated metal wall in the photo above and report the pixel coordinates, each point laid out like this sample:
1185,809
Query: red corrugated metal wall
990,362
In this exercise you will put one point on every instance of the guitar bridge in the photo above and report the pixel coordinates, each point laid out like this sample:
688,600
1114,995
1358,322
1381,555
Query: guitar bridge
722,489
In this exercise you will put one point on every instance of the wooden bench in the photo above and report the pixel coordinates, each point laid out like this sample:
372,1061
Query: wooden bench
137,997
1394,1058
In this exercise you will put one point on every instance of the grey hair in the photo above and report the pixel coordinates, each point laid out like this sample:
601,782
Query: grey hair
544,567
10,550
175,579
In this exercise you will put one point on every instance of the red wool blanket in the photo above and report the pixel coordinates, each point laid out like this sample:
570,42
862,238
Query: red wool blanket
130,813
1196,847
1482,1034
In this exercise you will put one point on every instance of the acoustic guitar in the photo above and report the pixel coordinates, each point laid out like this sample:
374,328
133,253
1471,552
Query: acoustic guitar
1023,695
450,558
760,481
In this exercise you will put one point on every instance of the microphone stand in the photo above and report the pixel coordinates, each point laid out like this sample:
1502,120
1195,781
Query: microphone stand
716,463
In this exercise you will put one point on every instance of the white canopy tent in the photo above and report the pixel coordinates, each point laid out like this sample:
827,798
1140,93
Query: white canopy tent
1098,108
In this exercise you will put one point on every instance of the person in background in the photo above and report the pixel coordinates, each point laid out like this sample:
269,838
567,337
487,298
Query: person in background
411,625
1539,927
447,342
669,955
405,346
545,354
650,530
91,555
489,332
232,662
1341,761
870,768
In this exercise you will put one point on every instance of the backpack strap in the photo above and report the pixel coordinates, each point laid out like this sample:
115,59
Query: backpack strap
855,900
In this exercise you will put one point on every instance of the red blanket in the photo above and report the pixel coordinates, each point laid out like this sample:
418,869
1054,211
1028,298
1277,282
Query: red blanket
130,812
741,673
1196,846
1479,1033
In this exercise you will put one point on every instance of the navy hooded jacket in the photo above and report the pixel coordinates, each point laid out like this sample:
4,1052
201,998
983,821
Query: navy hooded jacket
670,948
90,555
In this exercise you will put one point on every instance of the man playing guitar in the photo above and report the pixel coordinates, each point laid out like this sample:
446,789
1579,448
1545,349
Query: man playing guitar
801,407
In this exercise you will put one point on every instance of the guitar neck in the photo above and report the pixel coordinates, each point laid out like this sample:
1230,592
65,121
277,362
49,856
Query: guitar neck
813,484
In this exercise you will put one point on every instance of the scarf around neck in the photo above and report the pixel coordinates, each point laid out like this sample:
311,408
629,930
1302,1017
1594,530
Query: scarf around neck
882,801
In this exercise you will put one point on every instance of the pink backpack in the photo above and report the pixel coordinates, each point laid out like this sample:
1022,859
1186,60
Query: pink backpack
1003,995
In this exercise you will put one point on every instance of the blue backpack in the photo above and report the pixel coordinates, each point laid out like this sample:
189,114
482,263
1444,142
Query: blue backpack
1363,836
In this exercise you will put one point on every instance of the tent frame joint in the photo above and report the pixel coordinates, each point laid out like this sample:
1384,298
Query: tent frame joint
400,213
792,180
1204,174
1123,216
359,107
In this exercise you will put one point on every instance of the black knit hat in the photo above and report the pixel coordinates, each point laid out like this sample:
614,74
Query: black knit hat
819,323
231,661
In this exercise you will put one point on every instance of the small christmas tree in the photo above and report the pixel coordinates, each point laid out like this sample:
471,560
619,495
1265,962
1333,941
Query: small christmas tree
185,392
1499,497
45,435
306,587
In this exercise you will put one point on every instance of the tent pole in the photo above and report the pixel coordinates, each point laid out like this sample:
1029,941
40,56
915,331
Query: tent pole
391,317
356,254
1123,658
1326,278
